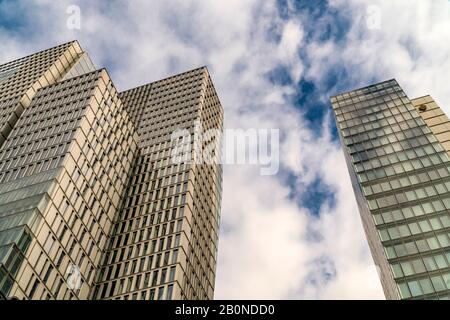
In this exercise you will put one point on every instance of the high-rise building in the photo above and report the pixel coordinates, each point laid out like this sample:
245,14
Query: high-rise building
92,205
396,153
164,243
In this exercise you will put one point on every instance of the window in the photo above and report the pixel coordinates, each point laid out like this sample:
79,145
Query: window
172,274
33,289
152,294
161,293
47,274
407,269
426,286
155,278
438,284
49,243
169,292
163,276
175,256
415,288
440,261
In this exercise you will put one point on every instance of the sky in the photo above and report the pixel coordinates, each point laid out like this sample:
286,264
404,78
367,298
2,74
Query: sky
274,63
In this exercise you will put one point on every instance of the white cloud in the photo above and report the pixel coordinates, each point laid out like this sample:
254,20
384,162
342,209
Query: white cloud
265,250
261,252
288,49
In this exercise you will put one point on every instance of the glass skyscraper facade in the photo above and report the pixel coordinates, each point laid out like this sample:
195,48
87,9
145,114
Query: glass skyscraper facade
91,206
400,171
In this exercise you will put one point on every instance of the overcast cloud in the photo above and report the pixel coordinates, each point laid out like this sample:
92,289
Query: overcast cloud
297,234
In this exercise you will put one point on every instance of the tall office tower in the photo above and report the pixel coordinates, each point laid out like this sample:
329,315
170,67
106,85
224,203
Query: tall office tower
164,243
94,203
63,170
23,155
400,172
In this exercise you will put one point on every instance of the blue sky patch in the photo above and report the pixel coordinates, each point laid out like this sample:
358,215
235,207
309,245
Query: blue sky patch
280,76
311,196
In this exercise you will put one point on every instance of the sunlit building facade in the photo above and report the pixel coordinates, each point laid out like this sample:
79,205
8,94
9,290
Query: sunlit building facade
397,156
91,204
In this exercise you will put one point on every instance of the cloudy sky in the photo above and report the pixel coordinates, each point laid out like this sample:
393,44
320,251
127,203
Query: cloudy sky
296,234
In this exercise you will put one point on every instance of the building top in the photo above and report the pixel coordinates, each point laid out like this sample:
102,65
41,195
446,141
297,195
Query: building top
174,77
364,90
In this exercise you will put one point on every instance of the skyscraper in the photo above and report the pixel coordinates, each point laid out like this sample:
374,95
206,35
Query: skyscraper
396,153
91,204
164,243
